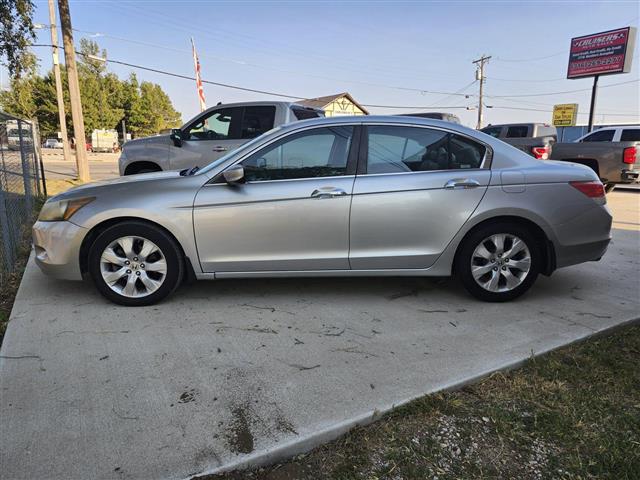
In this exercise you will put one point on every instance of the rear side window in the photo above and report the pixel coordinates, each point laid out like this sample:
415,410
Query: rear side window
518,131
394,149
630,135
493,131
257,120
304,114
600,136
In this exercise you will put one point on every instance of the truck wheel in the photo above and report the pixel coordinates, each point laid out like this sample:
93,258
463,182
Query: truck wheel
498,262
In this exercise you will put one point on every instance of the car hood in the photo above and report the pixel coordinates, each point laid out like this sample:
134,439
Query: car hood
156,139
94,188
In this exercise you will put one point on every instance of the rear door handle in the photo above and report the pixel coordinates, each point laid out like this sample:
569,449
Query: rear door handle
328,192
461,183
220,148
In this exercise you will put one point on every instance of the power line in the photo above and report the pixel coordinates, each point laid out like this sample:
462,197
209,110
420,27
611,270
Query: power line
561,93
504,107
300,97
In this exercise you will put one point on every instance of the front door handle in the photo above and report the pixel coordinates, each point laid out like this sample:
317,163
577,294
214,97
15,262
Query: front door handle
220,148
461,183
328,192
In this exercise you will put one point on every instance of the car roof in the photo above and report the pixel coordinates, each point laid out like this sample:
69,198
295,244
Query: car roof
373,119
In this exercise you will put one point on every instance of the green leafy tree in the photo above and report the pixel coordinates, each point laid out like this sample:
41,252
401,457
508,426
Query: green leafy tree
152,112
16,33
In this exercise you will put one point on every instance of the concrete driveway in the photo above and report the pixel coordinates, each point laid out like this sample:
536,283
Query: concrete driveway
235,371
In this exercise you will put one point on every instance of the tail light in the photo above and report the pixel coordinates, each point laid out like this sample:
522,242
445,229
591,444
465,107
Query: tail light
594,189
541,153
630,155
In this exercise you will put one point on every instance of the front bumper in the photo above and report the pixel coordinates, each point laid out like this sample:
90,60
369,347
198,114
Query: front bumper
57,247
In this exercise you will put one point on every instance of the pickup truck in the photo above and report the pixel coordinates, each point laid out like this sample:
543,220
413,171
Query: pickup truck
612,152
209,135
536,139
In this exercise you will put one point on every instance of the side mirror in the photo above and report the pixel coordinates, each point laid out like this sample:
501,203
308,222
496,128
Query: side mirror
176,136
234,175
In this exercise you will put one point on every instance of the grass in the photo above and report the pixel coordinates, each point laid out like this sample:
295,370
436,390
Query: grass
572,414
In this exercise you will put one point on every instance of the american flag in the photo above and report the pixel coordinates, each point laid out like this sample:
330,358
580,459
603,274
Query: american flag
196,64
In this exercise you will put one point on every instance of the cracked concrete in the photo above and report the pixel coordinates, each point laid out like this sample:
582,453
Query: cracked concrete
234,371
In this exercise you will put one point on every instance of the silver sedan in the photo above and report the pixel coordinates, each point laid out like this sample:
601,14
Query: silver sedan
350,196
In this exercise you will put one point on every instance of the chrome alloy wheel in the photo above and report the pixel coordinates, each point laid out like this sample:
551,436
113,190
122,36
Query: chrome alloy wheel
133,266
500,262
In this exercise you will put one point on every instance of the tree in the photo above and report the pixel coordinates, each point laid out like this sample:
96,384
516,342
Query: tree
16,33
20,99
152,111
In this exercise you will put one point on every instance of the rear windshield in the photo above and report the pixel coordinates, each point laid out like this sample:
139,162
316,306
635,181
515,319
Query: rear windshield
630,135
304,114
518,131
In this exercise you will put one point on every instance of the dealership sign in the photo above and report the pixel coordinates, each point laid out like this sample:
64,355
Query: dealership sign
565,115
601,53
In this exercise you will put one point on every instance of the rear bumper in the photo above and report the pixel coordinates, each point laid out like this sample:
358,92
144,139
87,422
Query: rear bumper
57,247
630,176
585,238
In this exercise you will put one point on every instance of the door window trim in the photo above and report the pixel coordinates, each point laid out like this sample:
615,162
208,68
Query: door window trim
352,159
364,150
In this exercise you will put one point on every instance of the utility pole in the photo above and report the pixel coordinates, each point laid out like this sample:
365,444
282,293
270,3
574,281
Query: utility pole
592,108
56,72
74,91
480,76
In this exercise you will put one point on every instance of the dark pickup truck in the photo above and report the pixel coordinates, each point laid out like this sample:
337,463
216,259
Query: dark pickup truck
536,139
611,152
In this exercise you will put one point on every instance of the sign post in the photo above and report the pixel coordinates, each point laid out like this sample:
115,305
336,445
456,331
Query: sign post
603,53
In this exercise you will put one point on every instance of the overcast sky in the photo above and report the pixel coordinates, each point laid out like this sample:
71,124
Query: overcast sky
383,53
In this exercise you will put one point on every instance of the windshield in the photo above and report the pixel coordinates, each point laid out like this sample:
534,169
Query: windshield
243,148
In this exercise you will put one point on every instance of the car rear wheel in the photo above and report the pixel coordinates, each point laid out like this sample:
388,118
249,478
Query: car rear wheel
135,264
499,262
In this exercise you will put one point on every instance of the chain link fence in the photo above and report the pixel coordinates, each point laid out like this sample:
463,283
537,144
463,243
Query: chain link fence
21,185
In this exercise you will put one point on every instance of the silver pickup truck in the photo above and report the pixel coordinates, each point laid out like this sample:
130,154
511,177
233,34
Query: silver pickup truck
612,152
536,139
209,135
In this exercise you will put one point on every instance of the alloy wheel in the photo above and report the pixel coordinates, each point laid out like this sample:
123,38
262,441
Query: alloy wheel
501,262
133,266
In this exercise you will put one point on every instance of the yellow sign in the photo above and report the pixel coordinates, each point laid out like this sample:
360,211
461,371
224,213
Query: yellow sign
565,115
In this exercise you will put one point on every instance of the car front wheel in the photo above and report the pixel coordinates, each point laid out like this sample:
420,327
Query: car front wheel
499,262
135,264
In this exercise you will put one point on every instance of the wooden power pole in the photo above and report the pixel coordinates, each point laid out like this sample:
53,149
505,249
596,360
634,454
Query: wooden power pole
480,76
56,71
74,91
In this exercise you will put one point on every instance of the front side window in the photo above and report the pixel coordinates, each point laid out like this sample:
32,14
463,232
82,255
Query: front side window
517,131
394,149
600,136
321,152
218,125
257,120
631,135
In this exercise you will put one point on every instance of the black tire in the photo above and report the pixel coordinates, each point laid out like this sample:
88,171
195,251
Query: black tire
170,249
473,240
609,187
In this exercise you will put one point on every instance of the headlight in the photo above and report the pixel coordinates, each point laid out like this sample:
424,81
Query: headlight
62,209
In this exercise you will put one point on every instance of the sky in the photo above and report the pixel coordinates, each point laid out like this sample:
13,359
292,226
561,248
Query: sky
383,53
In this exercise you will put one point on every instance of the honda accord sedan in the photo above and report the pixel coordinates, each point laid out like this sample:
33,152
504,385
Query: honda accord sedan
349,196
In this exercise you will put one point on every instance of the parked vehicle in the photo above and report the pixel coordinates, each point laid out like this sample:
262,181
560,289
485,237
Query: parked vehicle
104,141
15,132
209,136
341,196
536,139
52,143
447,117
610,152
